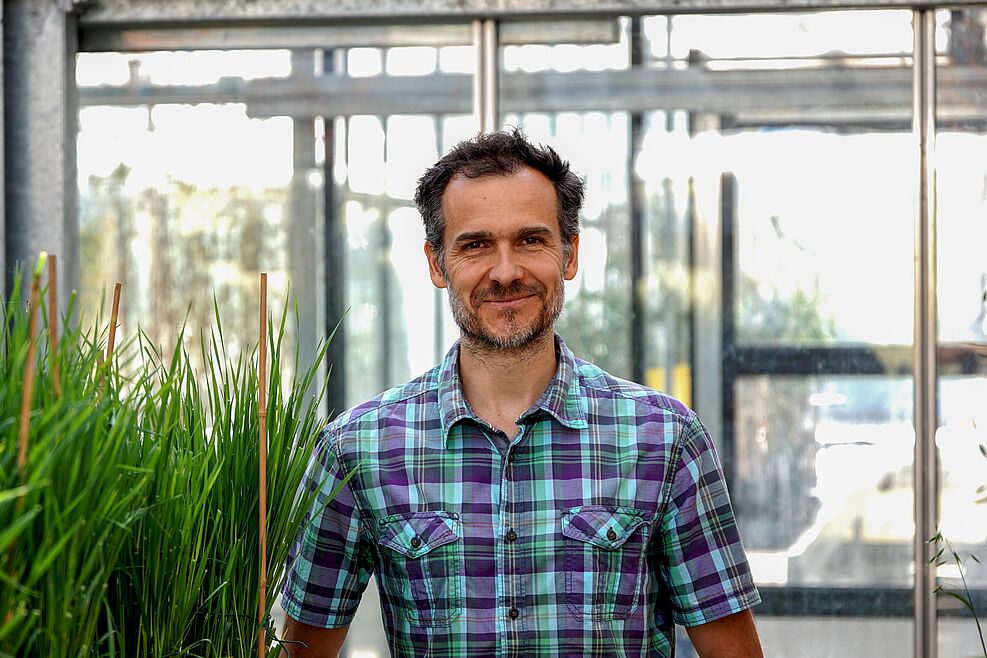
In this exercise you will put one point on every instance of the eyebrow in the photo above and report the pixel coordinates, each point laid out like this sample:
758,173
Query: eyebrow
526,231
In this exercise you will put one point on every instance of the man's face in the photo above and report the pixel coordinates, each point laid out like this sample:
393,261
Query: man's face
504,258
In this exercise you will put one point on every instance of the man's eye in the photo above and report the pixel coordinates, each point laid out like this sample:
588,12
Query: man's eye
532,240
476,244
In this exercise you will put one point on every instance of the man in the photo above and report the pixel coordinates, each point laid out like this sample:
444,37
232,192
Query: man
515,500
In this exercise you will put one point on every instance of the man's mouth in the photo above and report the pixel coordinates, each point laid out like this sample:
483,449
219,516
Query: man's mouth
508,301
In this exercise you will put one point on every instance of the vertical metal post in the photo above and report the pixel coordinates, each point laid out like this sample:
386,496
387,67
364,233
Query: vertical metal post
302,231
926,335
485,78
728,340
385,291
637,200
438,295
334,254
40,133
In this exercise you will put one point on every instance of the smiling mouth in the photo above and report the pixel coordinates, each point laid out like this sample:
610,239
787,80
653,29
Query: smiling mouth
508,301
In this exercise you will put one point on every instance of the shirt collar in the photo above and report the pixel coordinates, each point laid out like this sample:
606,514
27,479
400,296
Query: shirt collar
562,399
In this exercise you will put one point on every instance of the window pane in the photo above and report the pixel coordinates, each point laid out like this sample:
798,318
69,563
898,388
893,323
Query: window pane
186,203
823,479
961,172
812,207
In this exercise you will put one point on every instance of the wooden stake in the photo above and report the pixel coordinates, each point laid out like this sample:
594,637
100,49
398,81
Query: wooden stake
262,418
53,324
29,366
110,342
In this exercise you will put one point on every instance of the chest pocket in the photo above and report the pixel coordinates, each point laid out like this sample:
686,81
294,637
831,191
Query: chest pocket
605,549
423,566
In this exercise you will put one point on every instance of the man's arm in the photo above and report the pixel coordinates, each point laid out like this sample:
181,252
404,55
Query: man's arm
304,641
730,637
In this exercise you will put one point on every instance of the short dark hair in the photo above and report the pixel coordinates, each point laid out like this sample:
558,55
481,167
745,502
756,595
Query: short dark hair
498,154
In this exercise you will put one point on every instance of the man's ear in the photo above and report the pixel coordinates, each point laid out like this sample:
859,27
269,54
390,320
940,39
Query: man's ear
434,267
572,265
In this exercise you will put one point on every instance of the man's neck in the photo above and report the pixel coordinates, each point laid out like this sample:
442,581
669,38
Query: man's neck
500,385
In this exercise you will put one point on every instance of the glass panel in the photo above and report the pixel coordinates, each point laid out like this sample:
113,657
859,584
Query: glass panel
822,637
802,192
185,203
961,196
823,479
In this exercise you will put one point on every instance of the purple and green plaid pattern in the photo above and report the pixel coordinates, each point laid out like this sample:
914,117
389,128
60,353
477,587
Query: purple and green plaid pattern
606,522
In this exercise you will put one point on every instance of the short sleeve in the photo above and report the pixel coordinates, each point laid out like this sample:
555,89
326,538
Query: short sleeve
330,563
702,560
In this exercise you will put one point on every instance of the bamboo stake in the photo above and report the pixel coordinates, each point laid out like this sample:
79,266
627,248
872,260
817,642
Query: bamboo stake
110,342
29,366
53,323
262,419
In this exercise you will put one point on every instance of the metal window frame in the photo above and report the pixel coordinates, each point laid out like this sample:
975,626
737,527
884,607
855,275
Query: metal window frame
40,177
153,13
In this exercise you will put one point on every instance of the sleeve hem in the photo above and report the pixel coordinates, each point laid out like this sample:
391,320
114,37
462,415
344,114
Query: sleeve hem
718,608
296,612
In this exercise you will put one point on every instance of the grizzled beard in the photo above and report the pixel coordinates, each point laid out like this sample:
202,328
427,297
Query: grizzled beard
519,340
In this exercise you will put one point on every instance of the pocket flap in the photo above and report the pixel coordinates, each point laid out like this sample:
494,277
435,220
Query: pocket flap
415,534
606,527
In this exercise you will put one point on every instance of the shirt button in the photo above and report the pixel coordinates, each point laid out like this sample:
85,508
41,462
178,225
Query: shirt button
611,535
511,535
513,613
415,542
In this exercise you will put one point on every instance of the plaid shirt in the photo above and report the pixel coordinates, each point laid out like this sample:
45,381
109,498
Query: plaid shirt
606,522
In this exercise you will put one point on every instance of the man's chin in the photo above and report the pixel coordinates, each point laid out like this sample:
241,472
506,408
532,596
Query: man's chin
513,339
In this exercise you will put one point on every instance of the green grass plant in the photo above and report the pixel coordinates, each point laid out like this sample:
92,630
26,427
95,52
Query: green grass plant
133,531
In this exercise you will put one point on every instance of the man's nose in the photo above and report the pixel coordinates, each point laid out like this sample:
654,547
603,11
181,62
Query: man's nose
506,268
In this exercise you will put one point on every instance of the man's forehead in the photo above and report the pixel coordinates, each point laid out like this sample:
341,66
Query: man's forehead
525,187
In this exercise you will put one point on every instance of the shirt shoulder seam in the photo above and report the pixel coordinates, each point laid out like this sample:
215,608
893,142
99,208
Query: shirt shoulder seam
382,404
652,401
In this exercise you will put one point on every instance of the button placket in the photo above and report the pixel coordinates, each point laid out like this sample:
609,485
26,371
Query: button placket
514,587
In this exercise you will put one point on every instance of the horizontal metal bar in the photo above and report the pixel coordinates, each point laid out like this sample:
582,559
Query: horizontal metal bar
226,90
558,30
154,12
861,601
773,97
955,359
239,37
806,361
835,601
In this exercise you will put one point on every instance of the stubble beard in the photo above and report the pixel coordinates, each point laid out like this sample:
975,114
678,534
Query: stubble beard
518,339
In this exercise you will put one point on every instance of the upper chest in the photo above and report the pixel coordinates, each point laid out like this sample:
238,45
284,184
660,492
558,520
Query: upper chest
547,469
